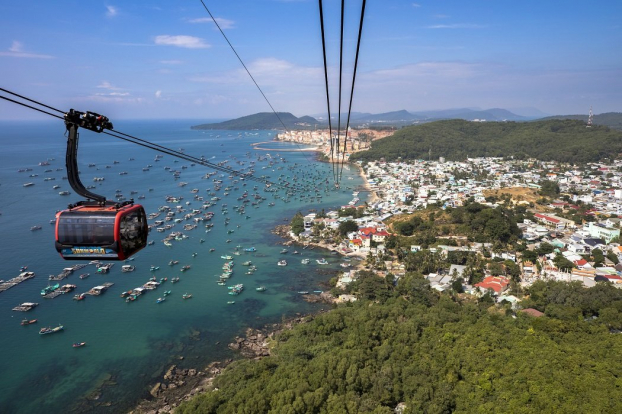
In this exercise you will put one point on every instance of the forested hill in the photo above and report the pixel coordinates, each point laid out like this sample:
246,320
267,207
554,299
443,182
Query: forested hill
262,120
610,119
558,140
407,344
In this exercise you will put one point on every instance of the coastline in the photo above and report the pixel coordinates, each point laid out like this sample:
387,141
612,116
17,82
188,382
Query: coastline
373,196
177,385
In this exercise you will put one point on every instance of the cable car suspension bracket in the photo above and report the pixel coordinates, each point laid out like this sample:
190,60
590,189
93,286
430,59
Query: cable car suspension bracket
91,121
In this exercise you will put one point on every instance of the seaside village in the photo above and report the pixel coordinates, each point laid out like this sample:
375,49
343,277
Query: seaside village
591,195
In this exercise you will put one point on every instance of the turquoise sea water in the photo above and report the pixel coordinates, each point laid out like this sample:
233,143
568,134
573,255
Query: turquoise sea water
130,344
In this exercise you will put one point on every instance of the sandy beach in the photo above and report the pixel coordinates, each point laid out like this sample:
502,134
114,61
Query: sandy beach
373,197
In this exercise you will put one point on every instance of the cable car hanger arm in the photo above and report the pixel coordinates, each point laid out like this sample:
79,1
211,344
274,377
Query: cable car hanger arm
93,122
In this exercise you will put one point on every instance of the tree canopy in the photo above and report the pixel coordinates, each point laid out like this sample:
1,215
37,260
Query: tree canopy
551,140
436,355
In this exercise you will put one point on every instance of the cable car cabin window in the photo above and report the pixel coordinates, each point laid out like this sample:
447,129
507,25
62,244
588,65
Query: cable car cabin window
131,228
90,230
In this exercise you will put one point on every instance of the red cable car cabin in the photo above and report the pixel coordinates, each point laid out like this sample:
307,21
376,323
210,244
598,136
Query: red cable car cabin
113,231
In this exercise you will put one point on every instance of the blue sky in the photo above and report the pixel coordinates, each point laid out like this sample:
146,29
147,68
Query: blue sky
165,59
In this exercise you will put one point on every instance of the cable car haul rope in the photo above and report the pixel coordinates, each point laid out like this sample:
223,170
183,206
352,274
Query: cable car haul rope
96,228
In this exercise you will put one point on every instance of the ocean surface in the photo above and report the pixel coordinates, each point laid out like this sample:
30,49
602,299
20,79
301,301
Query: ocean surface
129,345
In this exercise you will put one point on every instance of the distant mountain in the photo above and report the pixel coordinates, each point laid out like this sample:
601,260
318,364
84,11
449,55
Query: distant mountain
262,120
610,119
468,114
398,116
267,120
529,112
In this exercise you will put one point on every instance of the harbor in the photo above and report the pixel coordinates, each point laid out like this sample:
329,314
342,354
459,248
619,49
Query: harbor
233,218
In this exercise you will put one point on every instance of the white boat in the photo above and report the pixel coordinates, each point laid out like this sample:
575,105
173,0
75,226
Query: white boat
127,268
321,261
282,263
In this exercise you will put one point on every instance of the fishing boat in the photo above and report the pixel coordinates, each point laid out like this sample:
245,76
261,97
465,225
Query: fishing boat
79,344
184,268
230,302
282,263
248,263
49,289
127,268
321,261
28,322
283,251
173,262
260,289
160,300
212,250
250,249
304,261
175,280
186,296
167,292
33,228
48,330
79,297
154,268
84,275
303,292
227,257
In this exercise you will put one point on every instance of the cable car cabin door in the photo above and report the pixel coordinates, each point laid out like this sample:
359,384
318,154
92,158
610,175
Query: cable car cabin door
94,232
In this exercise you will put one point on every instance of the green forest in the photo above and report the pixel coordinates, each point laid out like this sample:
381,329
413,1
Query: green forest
552,140
610,119
437,353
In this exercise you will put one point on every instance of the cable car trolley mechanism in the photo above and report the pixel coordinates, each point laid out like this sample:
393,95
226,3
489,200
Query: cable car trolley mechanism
96,228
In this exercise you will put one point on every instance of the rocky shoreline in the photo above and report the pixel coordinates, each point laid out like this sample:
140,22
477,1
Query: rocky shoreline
181,384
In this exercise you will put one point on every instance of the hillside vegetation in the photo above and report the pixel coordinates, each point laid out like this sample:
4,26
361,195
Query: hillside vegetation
437,354
609,119
262,120
551,140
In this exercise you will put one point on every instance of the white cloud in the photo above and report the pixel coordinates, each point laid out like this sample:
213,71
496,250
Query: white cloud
107,85
16,47
111,11
416,5
172,62
158,94
113,94
189,42
16,50
456,26
267,72
223,23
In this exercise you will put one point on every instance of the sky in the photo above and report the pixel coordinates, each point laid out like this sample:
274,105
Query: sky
166,59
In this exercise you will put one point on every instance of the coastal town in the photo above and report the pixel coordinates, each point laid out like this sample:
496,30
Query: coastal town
569,232
563,226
